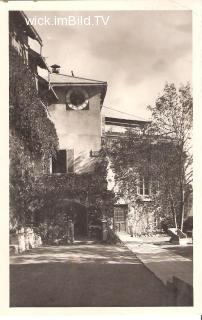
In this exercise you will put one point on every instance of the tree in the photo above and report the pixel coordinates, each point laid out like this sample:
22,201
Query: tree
172,119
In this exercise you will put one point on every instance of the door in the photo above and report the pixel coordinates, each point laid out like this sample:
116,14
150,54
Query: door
120,214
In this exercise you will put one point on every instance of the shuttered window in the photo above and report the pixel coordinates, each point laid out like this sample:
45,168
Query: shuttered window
59,163
63,162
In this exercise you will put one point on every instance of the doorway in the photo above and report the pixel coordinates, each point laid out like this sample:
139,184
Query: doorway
120,217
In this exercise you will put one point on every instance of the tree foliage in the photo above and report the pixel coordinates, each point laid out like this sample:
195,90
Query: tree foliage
172,119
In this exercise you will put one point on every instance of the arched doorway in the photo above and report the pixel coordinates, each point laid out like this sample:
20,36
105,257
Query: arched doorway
78,213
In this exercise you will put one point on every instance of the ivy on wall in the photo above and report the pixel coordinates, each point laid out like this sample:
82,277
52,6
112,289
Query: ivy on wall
133,156
33,140
28,116
88,189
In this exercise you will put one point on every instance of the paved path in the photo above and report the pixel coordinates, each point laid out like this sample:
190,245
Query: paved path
88,275
164,263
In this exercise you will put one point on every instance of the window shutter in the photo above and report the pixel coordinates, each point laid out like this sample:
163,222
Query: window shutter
70,160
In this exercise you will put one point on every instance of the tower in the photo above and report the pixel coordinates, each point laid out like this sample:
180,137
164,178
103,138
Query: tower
77,118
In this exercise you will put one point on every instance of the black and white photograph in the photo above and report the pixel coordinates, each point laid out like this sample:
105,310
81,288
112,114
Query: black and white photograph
100,158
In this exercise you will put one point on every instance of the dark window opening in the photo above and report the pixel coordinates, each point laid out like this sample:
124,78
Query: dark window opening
63,162
59,163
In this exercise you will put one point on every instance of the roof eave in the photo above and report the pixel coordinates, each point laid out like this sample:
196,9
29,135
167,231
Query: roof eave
121,121
32,32
103,94
50,89
78,83
40,60
54,93
98,84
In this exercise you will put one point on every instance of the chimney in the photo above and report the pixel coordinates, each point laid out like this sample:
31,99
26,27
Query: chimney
55,68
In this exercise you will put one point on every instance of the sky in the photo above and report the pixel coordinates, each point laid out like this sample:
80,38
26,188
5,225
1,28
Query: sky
136,53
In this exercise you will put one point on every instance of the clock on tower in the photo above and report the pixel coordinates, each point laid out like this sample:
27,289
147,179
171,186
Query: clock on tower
77,99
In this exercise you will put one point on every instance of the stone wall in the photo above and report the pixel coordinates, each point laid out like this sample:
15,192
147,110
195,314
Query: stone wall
182,292
24,239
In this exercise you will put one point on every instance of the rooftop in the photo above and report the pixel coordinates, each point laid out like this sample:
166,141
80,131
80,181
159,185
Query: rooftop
58,78
125,122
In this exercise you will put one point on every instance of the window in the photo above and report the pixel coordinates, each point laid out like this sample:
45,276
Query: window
144,186
59,163
119,214
94,154
63,162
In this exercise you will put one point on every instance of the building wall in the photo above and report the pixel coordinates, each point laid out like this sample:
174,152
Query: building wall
143,220
114,128
78,130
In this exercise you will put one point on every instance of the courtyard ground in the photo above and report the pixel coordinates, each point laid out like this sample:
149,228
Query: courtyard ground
172,264
162,241
85,274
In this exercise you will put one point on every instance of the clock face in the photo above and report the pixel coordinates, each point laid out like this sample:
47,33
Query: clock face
77,99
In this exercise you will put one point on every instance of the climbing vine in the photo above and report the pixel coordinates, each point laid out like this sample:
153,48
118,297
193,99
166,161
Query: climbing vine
33,140
28,116
138,155
89,189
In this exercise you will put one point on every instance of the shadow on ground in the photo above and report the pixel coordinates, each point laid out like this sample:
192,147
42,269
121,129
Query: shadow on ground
84,276
184,251
85,253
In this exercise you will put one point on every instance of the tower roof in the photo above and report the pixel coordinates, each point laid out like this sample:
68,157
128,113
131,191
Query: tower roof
63,80
57,79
